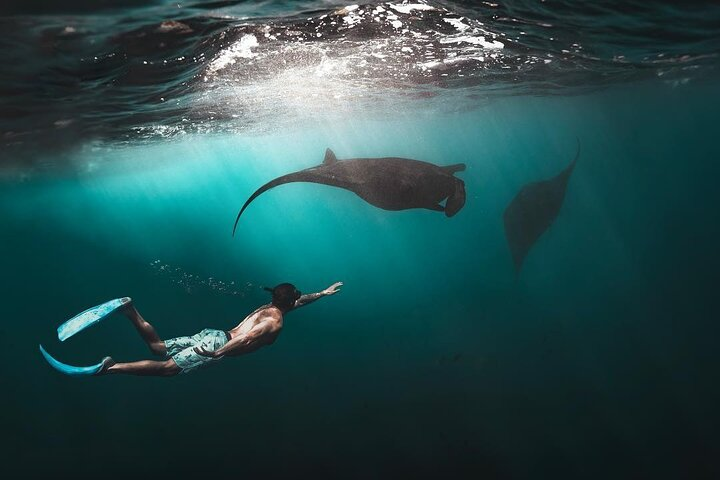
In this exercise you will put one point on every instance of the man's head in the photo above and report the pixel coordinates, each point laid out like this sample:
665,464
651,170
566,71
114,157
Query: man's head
284,295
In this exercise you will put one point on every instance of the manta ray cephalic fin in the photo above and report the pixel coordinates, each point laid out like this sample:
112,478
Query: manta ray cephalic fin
457,167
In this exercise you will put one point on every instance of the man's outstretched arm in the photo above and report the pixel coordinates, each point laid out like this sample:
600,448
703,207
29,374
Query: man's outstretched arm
311,297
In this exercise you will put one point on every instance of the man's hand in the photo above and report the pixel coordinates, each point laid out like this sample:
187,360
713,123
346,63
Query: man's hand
205,353
332,289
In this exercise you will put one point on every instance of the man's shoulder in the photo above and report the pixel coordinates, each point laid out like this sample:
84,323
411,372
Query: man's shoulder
271,313
272,319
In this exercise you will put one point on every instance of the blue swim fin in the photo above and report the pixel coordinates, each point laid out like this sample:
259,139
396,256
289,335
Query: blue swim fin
89,317
70,369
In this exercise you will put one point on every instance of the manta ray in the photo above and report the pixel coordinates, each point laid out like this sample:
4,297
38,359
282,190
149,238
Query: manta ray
389,183
533,210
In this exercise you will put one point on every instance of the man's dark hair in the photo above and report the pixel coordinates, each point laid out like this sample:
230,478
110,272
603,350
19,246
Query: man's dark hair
284,295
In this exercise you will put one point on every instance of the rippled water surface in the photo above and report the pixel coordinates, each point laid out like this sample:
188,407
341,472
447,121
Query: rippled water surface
81,72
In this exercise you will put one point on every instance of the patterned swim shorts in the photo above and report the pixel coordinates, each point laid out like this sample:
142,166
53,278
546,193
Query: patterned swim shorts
181,349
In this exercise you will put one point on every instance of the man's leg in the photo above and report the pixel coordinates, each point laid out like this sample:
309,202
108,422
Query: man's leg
154,368
146,331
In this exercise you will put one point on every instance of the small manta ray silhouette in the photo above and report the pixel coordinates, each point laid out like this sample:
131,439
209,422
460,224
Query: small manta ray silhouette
533,210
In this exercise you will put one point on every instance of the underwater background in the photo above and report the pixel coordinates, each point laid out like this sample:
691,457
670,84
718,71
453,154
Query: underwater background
132,132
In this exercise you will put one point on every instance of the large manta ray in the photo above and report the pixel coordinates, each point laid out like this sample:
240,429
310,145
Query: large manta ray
533,210
389,183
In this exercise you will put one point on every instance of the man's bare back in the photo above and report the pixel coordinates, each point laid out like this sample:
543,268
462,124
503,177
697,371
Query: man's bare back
268,319
259,328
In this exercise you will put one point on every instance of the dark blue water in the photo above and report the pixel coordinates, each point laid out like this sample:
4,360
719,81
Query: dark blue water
133,132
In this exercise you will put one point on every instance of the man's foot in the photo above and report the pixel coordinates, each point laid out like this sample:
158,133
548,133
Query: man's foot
106,364
126,303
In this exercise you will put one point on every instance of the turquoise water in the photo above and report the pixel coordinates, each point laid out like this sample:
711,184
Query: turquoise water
597,361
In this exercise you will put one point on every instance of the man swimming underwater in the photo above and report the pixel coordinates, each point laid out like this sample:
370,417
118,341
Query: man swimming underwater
258,329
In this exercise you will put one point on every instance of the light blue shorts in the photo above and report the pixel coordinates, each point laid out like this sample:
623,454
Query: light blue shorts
181,349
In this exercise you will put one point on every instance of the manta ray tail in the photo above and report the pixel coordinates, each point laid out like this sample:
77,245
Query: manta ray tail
301,176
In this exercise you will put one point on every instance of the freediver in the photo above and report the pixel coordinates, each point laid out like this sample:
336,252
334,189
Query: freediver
258,329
